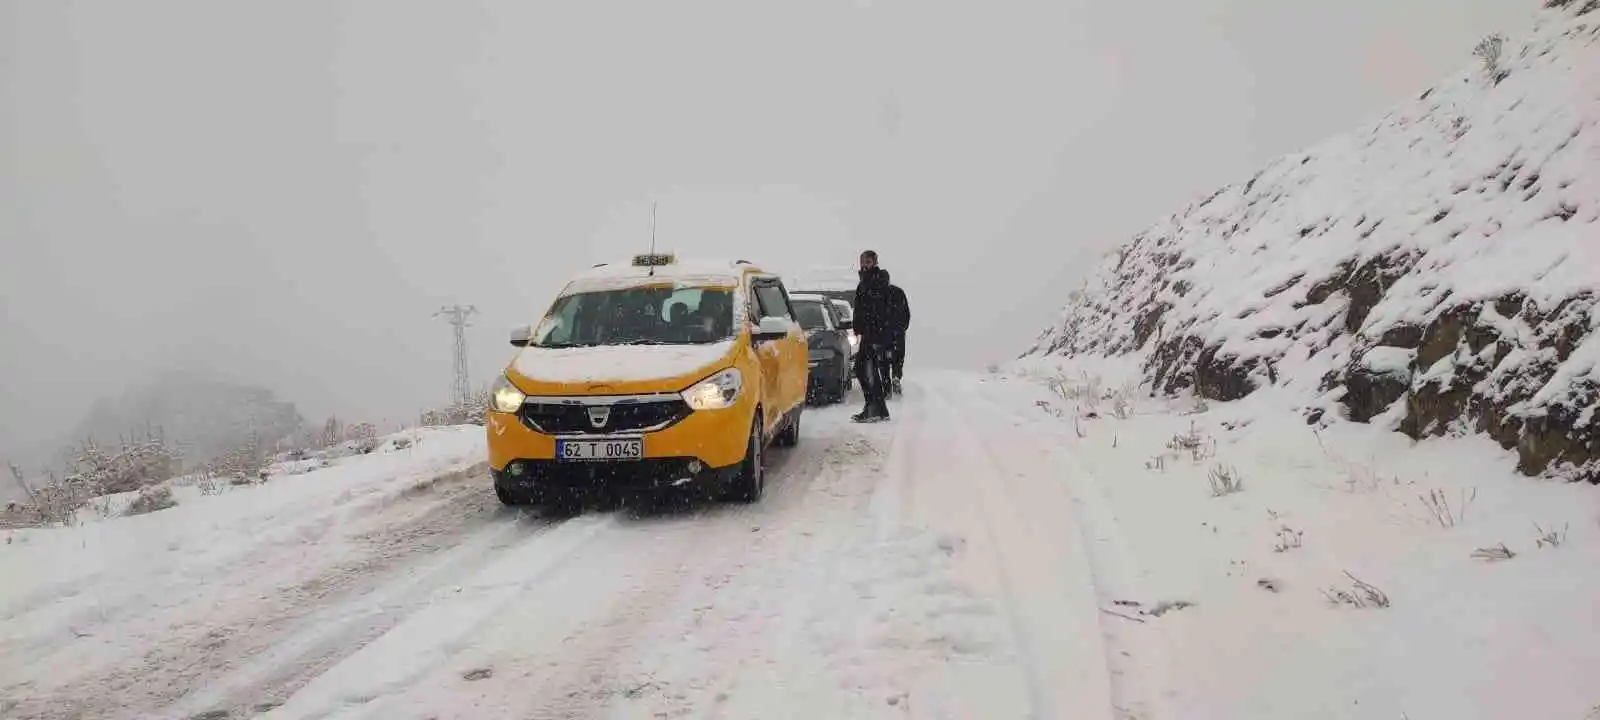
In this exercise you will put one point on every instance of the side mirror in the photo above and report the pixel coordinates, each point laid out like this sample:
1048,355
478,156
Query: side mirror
771,328
521,335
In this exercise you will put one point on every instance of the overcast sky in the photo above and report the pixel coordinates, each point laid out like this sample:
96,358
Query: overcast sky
286,191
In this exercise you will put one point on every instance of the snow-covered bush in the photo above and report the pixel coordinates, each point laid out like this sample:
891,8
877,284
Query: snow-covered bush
1360,594
473,413
136,464
150,500
242,465
1225,480
51,502
1489,51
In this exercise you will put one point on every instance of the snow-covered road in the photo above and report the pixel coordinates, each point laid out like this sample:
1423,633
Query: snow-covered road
1005,548
934,566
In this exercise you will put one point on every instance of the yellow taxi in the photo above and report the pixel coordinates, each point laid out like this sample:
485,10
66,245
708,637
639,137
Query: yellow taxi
647,376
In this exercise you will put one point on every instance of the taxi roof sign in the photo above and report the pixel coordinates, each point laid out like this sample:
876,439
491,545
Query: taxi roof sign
653,260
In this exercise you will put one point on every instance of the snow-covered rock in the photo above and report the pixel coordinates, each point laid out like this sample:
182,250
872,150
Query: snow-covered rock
1446,257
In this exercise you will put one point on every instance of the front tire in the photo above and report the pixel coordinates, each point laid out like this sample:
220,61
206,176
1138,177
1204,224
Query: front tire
844,382
751,478
790,435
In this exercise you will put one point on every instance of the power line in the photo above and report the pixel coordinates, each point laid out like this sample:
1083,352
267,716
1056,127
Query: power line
457,315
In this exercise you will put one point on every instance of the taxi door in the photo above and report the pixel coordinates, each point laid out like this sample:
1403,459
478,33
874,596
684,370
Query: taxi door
775,356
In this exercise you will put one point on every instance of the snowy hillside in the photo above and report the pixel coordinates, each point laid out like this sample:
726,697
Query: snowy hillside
1435,272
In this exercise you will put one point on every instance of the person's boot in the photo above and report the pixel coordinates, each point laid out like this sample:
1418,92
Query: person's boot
882,411
865,415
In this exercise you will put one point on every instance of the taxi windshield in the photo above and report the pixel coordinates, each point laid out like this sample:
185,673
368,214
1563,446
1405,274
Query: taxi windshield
638,316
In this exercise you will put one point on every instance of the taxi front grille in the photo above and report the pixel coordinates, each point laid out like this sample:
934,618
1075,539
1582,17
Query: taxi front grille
571,418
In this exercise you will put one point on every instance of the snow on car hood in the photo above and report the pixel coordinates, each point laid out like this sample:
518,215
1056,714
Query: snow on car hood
617,363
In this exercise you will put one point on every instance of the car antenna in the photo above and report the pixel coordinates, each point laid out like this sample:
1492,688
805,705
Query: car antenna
652,236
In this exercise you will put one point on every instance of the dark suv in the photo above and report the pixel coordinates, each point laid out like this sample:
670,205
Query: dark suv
827,344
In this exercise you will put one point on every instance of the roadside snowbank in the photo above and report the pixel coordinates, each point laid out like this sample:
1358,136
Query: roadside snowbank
1462,635
81,602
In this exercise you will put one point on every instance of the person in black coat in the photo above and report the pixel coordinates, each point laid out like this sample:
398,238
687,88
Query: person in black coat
874,323
900,322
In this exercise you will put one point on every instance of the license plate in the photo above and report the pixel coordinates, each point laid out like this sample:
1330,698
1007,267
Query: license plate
607,449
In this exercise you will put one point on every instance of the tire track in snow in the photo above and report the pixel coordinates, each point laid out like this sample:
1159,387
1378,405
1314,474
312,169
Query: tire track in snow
141,657
1137,656
1024,508
764,637
705,545
290,657
818,618
554,645
1021,636
890,497
428,634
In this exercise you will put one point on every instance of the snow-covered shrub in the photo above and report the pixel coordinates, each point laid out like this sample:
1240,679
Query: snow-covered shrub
1438,506
1553,538
361,431
150,500
473,413
243,465
52,502
1225,480
332,433
136,464
1360,595
1489,50
1195,443
1288,539
206,482
361,437
1493,554
1122,401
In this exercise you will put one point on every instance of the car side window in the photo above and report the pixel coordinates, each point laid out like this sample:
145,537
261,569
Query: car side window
772,300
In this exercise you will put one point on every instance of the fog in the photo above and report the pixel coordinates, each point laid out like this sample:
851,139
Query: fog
285,192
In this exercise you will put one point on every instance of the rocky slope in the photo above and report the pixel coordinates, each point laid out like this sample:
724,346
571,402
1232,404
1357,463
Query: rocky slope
1436,271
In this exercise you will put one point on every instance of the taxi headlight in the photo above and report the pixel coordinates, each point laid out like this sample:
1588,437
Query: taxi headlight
716,392
505,397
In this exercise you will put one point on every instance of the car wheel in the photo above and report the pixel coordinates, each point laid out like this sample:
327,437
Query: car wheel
790,436
508,498
844,383
750,482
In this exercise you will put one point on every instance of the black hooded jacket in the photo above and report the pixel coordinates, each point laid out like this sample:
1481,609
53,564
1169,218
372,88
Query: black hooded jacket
874,311
899,310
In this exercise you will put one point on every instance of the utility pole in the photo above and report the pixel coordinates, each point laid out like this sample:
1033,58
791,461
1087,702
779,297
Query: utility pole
457,315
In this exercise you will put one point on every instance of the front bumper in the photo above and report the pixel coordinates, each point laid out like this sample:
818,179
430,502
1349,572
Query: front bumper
716,438
543,479
824,374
